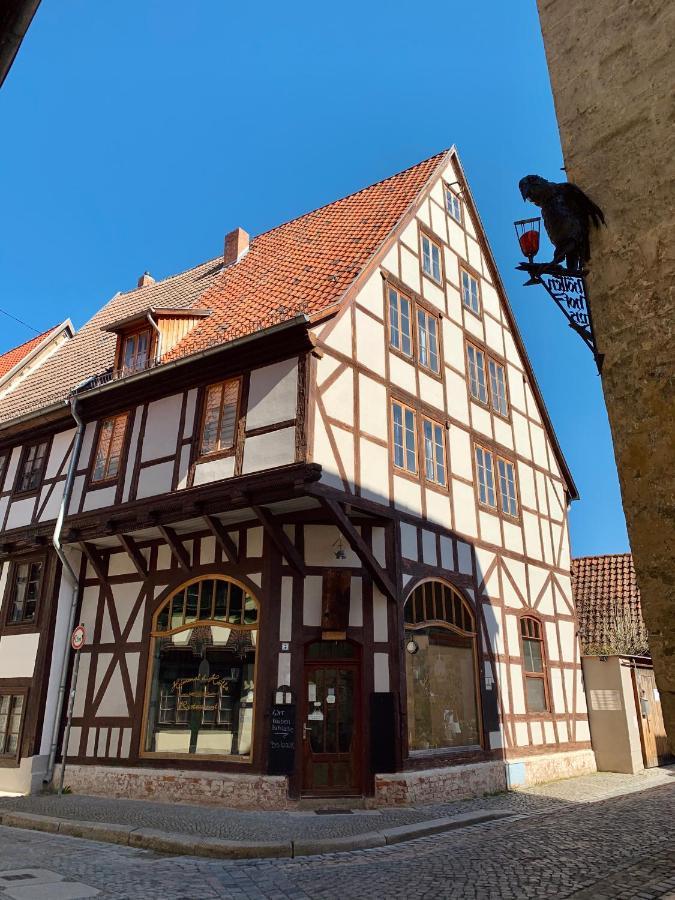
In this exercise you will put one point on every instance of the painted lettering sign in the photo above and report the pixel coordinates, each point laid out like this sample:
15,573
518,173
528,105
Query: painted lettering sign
282,739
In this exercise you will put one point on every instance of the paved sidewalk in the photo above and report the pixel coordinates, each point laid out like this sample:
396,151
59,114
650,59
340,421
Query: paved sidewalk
225,832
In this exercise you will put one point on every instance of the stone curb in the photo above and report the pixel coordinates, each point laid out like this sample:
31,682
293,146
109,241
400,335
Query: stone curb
194,845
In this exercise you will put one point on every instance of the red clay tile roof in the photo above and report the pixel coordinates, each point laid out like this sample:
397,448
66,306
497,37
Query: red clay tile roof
14,356
605,590
303,266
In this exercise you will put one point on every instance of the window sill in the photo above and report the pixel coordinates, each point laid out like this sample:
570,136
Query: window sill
444,751
10,762
216,454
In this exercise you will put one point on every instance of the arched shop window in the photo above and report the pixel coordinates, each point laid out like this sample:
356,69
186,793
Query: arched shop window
202,672
441,669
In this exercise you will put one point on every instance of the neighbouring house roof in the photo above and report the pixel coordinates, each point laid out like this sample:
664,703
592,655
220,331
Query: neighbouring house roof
12,361
606,593
15,17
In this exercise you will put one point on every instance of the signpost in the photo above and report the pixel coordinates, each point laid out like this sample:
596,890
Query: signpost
77,641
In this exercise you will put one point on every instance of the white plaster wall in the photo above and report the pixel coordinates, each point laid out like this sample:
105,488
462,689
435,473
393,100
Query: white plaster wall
161,427
369,342
273,394
57,455
374,471
155,480
20,513
99,498
381,673
338,399
18,653
373,417
266,451
320,548
214,470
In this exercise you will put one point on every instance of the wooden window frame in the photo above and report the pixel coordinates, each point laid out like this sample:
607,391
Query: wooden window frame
229,451
417,304
477,349
438,243
404,469
497,457
25,452
108,480
448,190
423,469
4,462
437,319
498,492
12,760
543,675
488,359
10,595
491,361
412,306
471,273
128,335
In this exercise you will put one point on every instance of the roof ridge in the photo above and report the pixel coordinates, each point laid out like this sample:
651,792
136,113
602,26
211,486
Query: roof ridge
601,556
309,212
37,337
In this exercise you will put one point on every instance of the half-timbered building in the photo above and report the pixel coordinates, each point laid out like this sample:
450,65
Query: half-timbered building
308,504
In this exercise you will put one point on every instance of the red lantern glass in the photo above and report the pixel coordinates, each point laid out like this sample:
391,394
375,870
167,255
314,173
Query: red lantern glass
527,232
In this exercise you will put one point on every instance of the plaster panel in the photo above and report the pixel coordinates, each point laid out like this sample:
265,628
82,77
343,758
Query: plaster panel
526,485
510,350
503,432
380,632
433,294
461,462
532,535
82,682
516,389
370,343
356,603
410,271
273,394
20,513
438,217
155,480
447,558
338,399
551,641
456,238
557,690
120,564
517,689
207,551
131,455
286,610
494,628
567,641
438,508
190,408
490,532
547,546
254,541
451,268
532,407
556,503
325,366
284,669
98,499
113,702
340,337
474,252
18,653
184,467
458,405
521,734
373,408
408,541
464,506
490,299
549,733
503,684
473,324
374,471
513,634
378,544
390,262
481,419
371,294
161,427
539,445
431,390
402,373
409,235
407,495
484,559
311,603
87,446
51,510
57,455
323,453
345,445
125,597
464,562
267,451
521,434
453,344
320,548
429,557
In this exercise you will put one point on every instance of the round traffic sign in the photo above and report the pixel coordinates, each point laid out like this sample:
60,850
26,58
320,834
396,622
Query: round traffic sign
78,637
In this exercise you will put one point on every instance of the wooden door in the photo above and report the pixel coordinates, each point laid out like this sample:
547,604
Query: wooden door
331,723
650,718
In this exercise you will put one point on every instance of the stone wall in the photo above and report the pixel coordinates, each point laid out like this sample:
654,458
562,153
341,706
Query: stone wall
236,791
611,66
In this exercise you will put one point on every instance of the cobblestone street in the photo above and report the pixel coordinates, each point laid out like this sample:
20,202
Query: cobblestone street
618,847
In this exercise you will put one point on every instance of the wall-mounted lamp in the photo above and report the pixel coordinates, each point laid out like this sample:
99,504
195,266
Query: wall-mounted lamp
412,646
340,552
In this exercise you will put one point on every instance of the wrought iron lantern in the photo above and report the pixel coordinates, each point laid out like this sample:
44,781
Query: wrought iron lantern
528,232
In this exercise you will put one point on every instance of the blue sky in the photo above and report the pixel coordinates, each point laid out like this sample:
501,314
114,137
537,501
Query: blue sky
137,133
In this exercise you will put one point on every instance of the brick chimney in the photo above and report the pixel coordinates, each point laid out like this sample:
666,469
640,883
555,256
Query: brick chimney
146,278
236,245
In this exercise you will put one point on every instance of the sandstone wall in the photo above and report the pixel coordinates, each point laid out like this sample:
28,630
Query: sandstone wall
612,66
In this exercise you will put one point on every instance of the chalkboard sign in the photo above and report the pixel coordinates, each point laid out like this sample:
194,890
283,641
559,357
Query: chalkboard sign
282,739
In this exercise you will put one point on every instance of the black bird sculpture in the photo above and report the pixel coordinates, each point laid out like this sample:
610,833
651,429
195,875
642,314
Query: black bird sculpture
567,213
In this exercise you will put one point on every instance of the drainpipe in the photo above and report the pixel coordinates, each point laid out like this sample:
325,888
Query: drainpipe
72,577
158,349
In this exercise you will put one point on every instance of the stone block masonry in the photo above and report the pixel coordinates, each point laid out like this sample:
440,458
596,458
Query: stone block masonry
611,66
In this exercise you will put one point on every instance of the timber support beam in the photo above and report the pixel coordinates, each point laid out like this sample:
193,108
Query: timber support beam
279,538
134,554
227,545
176,546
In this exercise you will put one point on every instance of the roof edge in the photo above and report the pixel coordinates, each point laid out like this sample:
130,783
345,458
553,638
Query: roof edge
66,325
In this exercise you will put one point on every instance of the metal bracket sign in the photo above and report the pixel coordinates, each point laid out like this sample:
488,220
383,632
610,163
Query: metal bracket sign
568,291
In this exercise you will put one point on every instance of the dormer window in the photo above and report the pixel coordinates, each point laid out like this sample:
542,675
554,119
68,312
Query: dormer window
136,351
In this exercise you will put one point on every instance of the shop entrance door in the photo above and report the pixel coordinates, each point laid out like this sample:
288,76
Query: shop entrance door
331,720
